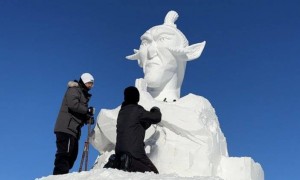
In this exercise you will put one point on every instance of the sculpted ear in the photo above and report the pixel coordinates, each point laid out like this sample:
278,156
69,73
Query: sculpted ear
135,56
195,50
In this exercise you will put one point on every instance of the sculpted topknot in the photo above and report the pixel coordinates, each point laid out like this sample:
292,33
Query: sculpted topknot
170,18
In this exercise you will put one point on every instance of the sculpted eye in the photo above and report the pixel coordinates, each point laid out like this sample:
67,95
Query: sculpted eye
161,39
144,43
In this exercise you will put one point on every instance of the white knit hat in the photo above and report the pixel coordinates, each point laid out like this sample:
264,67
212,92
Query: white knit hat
87,77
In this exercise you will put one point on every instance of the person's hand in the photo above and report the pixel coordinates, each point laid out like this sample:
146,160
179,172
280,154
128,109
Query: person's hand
91,111
91,121
154,108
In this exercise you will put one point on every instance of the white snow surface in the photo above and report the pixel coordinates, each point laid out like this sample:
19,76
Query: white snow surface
113,174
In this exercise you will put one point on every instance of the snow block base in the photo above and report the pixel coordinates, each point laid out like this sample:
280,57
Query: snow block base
244,168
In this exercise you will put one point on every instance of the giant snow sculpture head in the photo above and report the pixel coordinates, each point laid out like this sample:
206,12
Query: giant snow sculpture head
163,54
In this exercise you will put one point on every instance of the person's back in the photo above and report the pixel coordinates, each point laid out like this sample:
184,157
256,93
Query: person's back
133,120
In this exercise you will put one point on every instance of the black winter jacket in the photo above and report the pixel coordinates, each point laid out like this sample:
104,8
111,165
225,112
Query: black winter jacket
132,122
73,111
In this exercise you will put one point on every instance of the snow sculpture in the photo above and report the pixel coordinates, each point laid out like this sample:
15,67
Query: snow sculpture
188,141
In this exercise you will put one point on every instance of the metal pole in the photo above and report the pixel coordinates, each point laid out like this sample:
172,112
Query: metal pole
85,152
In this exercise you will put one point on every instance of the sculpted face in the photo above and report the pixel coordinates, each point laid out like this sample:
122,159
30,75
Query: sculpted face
158,63
163,54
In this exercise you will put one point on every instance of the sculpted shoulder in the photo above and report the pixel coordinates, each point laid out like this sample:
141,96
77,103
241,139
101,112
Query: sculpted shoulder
194,101
190,101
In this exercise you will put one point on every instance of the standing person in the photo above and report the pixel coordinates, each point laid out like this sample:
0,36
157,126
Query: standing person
73,114
132,122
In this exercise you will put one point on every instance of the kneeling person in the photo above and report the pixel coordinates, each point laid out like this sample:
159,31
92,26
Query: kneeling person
132,122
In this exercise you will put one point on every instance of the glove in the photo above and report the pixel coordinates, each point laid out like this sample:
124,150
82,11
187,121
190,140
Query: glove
154,108
91,121
91,111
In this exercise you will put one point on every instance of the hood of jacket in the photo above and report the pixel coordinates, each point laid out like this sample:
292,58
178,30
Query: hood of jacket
80,85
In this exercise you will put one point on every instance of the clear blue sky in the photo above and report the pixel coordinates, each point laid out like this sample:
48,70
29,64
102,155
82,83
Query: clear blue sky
249,71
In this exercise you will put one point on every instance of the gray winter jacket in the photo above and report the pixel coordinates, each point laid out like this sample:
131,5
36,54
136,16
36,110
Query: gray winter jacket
73,111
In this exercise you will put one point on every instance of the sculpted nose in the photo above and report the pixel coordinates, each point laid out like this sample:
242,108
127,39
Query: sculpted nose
152,51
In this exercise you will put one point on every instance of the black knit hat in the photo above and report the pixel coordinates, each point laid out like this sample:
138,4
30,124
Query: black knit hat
131,95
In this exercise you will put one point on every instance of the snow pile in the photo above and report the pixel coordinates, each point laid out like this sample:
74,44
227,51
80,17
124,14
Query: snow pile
107,174
188,142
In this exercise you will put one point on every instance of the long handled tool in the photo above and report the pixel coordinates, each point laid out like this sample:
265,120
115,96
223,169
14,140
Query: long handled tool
85,153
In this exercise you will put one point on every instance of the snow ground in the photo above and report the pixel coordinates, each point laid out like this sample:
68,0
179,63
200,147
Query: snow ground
113,174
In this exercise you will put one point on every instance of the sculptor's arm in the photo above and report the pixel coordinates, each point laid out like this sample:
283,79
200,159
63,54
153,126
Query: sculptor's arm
152,117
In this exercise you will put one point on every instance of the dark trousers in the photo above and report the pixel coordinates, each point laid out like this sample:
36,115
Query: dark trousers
66,154
133,164
143,164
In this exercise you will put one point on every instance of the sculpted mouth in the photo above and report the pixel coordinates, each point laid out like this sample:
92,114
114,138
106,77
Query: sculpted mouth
152,64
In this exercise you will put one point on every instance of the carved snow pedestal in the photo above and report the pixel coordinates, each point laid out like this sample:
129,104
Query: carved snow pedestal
188,141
